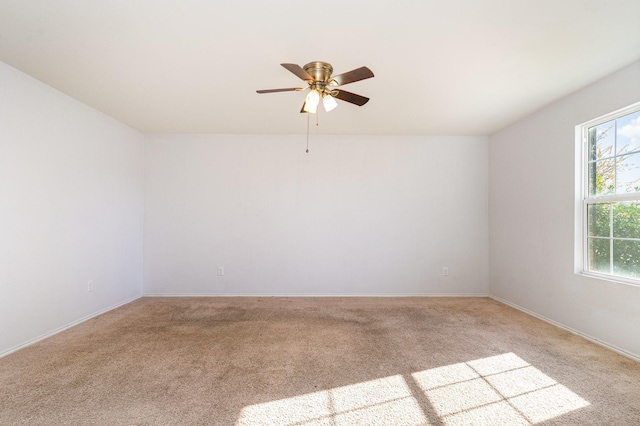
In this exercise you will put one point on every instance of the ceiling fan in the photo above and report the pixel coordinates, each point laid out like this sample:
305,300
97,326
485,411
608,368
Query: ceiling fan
323,86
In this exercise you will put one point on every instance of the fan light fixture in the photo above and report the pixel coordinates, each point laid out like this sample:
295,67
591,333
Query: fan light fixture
313,99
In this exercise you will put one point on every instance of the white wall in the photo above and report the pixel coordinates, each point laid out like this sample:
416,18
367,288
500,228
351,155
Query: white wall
71,210
357,215
532,199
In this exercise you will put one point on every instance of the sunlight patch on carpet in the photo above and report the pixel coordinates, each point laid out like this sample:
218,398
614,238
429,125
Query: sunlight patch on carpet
498,390
386,401
502,389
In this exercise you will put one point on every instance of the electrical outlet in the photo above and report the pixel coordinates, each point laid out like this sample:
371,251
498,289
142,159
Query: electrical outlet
90,285
220,271
445,271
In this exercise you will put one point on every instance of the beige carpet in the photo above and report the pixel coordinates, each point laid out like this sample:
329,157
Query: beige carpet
317,361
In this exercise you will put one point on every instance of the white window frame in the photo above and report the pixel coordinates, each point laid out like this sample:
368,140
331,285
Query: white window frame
583,199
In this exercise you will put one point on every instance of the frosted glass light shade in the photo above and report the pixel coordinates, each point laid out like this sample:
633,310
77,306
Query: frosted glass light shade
311,102
329,102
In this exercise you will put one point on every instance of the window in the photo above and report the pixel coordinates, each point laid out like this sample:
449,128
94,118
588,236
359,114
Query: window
610,201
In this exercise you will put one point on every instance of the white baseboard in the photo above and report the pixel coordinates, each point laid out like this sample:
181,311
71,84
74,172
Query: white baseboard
65,327
314,295
569,329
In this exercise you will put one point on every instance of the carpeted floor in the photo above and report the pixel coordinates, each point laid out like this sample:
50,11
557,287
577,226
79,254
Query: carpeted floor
317,361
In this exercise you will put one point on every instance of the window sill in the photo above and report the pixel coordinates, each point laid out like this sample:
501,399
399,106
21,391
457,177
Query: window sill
610,278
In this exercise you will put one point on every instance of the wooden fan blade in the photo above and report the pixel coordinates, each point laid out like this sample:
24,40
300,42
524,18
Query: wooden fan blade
351,76
350,97
297,70
288,89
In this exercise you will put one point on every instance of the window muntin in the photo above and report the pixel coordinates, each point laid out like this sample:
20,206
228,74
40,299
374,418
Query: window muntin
611,204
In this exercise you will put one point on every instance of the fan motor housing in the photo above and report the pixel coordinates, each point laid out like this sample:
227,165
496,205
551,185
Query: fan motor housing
320,71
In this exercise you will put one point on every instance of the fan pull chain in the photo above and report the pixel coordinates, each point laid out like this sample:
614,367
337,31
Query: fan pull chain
308,133
308,120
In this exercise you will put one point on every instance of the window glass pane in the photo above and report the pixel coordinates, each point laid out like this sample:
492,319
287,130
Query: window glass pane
599,250
626,258
602,140
592,179
628,133
601,177
598,220
627,173
626,219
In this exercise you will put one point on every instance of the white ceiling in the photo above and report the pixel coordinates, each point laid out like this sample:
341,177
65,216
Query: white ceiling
462,67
